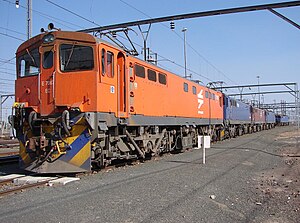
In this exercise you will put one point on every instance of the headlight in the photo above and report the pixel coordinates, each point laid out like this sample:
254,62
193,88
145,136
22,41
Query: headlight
48,38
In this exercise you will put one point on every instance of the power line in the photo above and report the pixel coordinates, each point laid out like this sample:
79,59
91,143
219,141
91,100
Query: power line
63,8
13,31
194,15
123,37
3,79
48,16
4,34
6,84
190,70
119,36
177,64
4,68
3,61
3,72
177,34
131,6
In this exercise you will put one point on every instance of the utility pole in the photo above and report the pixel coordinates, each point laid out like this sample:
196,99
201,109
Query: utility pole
184,49
29,16
258,90
297,113
29,19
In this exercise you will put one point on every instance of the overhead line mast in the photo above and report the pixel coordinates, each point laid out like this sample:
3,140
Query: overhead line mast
195,15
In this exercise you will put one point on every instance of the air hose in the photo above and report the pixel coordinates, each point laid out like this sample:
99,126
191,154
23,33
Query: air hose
65,117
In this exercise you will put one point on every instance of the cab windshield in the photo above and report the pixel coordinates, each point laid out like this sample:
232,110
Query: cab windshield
76,58
29,63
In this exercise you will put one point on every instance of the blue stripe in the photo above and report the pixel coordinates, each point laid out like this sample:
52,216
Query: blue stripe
75,120
86,165
76,146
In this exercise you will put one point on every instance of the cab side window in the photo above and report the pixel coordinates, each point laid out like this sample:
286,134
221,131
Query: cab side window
151,75
162,78
107,63
139,71
110,64
185,87
103,61
48,59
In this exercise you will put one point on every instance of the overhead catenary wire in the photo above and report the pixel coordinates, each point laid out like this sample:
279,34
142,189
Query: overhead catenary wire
55,19
6,69
188,69
3,79
178,35
14,31
7,35
6,84
4,72
4,61
76,14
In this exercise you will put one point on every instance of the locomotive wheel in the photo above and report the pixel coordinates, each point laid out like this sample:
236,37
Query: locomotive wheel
149,147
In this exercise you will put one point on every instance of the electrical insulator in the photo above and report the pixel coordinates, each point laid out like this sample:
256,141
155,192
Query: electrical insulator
172,25
114,34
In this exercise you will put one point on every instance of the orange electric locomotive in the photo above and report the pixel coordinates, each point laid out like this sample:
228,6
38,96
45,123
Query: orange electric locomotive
81,101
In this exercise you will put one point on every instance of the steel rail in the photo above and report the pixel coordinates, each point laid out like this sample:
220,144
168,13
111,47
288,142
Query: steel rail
22,187
2,182
9,159
11,145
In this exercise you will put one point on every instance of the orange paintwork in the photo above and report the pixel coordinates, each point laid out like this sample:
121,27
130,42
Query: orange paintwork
155,99
26,90
124,94
58,89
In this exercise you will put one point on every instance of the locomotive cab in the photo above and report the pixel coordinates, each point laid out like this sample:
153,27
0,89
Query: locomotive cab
50,97
50,67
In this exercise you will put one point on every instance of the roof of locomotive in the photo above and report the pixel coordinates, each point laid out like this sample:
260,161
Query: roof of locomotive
67,35
143,62
85,37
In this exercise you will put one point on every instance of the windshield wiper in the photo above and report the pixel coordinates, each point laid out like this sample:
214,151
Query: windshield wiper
32,58
72,50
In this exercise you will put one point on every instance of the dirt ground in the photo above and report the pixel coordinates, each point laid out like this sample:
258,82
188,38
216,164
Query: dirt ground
278,189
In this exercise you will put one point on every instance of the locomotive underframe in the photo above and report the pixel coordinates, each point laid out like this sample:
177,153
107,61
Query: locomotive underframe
101,138
142,137
104,138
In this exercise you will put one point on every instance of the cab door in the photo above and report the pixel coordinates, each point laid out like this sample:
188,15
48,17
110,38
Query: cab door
122,86
47,81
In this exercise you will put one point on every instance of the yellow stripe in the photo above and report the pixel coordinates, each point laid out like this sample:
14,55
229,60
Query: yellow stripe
76,132
82,155
24,156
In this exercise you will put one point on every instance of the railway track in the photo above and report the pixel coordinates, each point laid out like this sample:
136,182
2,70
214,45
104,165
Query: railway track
9,158
9,145
15,189
9,152
18,182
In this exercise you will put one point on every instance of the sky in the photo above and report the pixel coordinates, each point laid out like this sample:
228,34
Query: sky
233,48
